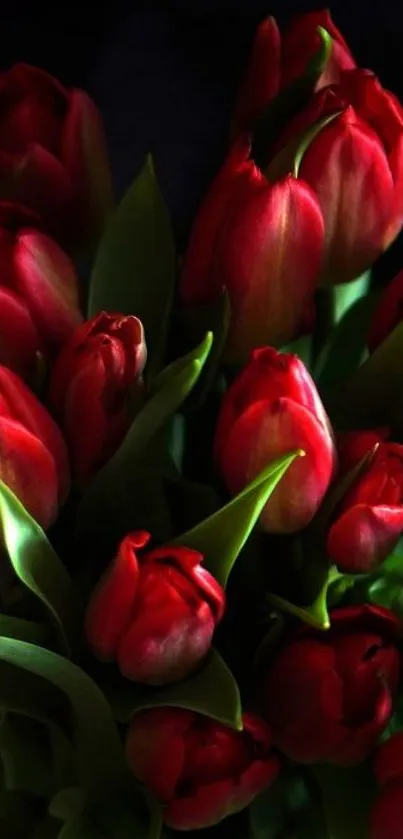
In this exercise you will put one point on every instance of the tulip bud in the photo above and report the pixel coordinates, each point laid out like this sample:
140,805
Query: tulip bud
33,456
52,155
369,520
329,696
385,820
199,769
263,242
388,313
91,380
154,613
272,408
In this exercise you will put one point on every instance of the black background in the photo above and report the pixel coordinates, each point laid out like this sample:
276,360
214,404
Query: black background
164,74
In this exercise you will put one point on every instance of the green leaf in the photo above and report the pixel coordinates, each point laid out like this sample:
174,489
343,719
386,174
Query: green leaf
133,476
26,756
212,691
38,567
221,537
93,722
373,394
35,633
347,796
316,614
289,101
134,270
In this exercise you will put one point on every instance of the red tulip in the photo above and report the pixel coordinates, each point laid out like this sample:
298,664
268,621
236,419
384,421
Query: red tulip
33,456
272,408
388,313
91,380
354,165
277,60
39,292
52,154
387,812
154,613
370,518
328,696
263,242
199,769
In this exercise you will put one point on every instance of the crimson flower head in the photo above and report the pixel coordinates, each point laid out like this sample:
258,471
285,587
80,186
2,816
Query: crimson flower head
98,367
33,455
329,696
386,814
262,241
199,769
52,154
279,59
154,613
271,409
369,520
39,296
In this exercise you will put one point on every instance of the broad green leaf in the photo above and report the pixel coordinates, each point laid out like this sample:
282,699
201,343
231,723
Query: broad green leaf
347,795
68,803
38,567
93,722
212,691
373,395
221,537
134,270
345,349
26,755
348,294
24,630
289,101
133,476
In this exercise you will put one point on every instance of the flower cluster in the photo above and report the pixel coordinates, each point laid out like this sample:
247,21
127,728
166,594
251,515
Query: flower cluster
132,478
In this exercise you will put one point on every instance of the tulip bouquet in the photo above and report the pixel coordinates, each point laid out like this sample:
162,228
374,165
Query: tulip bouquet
201,468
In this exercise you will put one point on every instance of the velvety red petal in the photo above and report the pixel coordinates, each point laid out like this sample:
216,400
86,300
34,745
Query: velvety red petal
388,313
262,77
155,748
269,258
347,168
109,611
363,536
189,562
36,179
19,339
47,280
28,468
388,761
266,431
301,41
386,815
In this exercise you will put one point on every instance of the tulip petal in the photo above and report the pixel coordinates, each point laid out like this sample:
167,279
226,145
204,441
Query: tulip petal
262,78
301,41
36,179
155,748
363,536
109,610
28,468
348,170
47,280
386,815
19,340
265,431
388,763
388,313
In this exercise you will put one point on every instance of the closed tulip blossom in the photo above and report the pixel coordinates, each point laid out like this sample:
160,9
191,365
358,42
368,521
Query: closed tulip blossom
278,59
39,297
52,154
33,455
98,367
200,770
270,409
388,313
154,612
353,162
369,520
386,814
329,696
262,241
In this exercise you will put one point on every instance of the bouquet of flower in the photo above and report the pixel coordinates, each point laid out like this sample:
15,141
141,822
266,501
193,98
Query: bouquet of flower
201,464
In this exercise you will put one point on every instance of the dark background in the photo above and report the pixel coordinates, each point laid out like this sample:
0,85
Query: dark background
164,74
